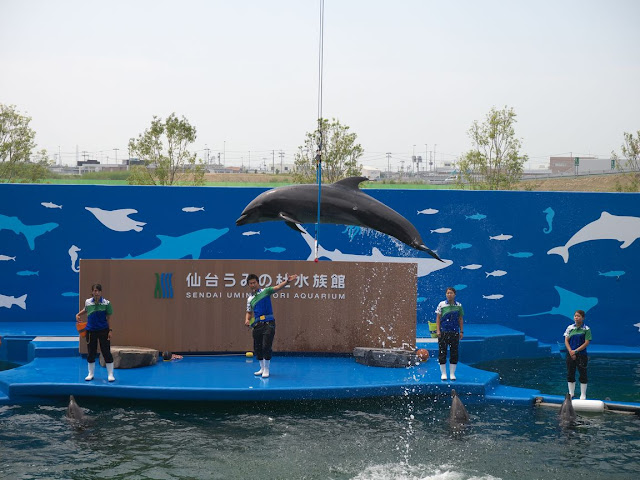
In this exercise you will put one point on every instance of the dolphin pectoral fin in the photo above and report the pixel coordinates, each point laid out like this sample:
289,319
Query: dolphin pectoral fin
294,226
288,218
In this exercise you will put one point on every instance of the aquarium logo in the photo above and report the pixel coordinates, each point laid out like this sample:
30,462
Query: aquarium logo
164,289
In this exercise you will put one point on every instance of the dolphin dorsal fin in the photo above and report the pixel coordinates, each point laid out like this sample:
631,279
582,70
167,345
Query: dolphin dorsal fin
351,182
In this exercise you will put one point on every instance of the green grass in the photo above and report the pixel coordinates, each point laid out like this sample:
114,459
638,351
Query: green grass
365,185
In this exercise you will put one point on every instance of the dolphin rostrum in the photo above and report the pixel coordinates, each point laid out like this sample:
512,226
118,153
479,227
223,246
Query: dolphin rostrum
458,416
74,412
343,203
567,414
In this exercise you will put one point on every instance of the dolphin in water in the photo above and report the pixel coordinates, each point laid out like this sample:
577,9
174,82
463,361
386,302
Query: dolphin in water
607,227
567,414
30,232
343,203
458,416
74,412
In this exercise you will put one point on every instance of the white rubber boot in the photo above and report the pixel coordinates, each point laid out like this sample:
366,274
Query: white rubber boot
265,369
443,371
110,377
92,369
583,391
259,372
452,370
572,388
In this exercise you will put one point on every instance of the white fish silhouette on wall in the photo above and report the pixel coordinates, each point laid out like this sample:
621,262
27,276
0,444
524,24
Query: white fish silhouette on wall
6,258
473,266
607,227
496,273
117,220
428,211
501,237
73,255
193,209
50,205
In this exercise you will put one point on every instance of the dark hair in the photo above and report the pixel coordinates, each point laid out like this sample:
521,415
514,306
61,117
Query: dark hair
450,288
253,276
581,313
96,286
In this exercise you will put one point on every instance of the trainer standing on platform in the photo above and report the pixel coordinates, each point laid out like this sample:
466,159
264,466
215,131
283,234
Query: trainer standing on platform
577,338
450,330
99,312
260,317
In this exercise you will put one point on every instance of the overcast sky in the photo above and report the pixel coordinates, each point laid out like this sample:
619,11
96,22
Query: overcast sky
401,74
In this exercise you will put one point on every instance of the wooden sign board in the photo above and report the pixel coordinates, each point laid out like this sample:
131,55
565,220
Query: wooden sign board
200,305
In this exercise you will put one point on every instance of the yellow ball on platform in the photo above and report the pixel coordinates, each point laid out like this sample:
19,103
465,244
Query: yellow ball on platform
249,354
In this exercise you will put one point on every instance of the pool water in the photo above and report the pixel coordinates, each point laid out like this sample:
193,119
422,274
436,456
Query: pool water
394,438
616,379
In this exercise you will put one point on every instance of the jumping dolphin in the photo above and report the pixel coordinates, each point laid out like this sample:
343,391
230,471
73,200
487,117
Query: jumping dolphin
567,414
74,412
343,203
458,416
607,227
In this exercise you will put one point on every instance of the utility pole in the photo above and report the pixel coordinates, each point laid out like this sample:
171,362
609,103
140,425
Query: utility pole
206,149
413,159
389,162
434,153
281,157
224,152
273,161
116,150
426,155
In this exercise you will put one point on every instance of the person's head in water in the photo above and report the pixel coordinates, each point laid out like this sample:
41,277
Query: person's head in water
451,295
253,282
578,317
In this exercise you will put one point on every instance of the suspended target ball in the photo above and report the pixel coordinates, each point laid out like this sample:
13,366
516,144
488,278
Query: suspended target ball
423,354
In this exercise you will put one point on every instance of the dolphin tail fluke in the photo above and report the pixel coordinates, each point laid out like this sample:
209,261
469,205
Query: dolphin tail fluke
562,251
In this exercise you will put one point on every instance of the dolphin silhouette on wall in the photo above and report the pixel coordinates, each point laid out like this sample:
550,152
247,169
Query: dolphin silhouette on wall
607,227
343,203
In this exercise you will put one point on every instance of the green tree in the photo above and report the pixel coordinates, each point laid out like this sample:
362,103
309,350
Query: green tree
340,154
495,163
164,149
630,152
16,143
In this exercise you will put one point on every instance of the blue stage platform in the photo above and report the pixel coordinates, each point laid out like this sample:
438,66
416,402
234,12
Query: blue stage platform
50,366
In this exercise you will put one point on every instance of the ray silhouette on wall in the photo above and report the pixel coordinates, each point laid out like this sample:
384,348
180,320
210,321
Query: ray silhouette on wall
29,232
569,303
190,244
607,227
426,265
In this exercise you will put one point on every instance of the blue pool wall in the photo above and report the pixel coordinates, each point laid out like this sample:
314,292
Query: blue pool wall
496,247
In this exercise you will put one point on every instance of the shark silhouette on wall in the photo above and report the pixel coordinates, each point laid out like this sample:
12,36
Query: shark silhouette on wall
569,303
30,232
426,265
343,203
607,227
190,244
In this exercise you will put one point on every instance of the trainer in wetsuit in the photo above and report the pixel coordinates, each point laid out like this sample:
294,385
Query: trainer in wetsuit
260,317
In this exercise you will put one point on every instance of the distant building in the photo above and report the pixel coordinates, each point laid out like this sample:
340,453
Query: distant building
372,173
560,165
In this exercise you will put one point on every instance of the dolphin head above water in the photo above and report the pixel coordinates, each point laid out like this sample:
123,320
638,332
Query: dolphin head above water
458,416
342,203
567,414
74,412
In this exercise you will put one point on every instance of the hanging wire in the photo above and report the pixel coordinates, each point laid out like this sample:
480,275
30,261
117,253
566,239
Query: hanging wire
319,150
